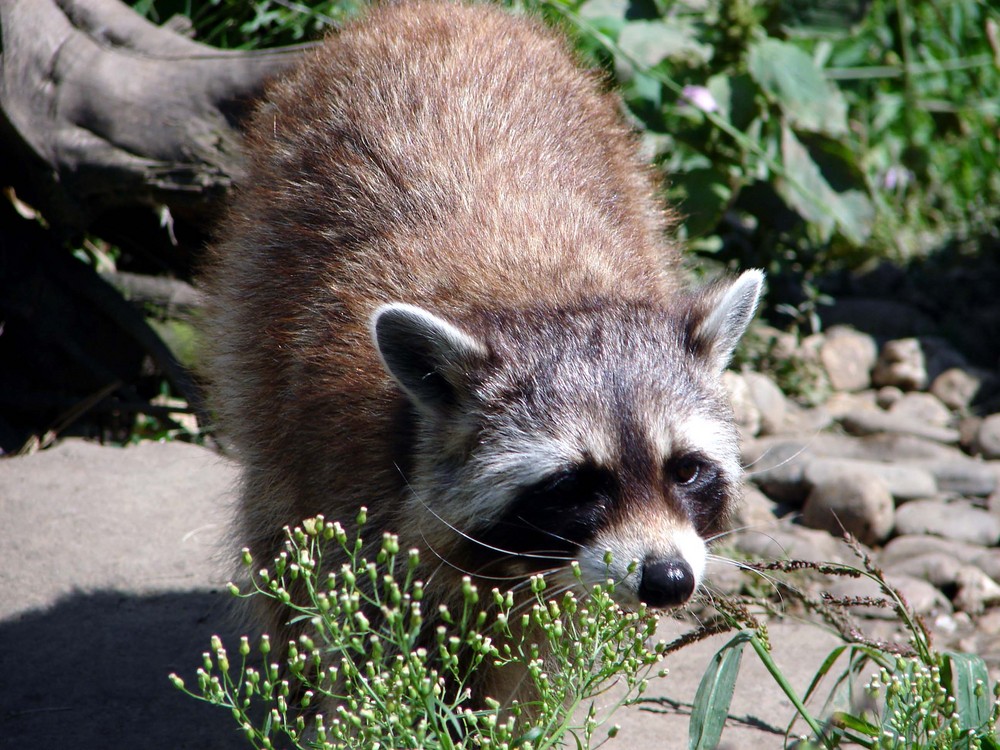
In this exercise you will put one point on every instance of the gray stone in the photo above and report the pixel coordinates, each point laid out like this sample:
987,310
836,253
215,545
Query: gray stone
848,357
955,519
988,437
840,404
865,422
941,356
935,567
904,482
976,590
890,446
989,563
963,476
770,402
923,597
744,409
956,387
908,546
792,542
776,467
901,363
887,395
805,420
856,503
968,431
756,511
921,407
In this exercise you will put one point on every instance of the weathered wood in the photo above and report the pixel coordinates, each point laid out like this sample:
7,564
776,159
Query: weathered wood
100,109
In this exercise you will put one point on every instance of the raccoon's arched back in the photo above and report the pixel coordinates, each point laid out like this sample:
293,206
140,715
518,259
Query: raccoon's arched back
436,153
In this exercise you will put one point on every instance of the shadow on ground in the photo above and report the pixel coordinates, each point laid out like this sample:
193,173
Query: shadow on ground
91,672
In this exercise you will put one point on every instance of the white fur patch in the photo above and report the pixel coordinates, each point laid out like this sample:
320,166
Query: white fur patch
714,437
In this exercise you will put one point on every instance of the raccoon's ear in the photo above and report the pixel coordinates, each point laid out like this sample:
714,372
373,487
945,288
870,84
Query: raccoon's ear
426,355
720,315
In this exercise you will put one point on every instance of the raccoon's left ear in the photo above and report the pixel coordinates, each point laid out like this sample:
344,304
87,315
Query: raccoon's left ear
426,355
719,317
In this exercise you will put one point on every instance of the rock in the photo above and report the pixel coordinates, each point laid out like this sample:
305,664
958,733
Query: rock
841,404
935,567
968,430
856,503
756,511
989,623
744,409
769,400
776,467
904,482
848,357
792,542
923,597
921,407
952,520
865,422
895,446
941,356
901,363
956,388
908,546
976,590
963,476
987,440
989,563
805,421
888,395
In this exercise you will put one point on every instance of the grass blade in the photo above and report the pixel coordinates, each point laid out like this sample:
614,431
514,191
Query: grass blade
966,672
715,694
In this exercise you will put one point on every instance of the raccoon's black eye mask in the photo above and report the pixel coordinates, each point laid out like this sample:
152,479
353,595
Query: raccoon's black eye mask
571,487
552,517
697,484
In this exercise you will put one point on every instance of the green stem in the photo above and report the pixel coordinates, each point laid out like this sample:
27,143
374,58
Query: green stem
765,657
909,92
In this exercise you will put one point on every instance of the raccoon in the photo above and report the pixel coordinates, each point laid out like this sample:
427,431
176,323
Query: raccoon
445,291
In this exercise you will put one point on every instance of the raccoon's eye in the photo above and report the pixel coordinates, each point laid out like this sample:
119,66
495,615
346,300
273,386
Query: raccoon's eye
686,470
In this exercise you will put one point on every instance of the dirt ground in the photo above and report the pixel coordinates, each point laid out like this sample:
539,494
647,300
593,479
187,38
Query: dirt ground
112,575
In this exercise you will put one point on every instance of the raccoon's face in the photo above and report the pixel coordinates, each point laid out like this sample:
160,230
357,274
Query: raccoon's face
600,435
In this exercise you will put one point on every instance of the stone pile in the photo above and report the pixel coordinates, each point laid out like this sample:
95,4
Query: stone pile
894,453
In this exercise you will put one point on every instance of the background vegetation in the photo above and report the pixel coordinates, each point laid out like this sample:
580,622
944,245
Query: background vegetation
801,137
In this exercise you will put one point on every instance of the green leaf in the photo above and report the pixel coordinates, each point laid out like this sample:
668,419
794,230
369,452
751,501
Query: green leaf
715,694
965,671
805,97
651,42
806,190
735,97
856,723
608,14
701,195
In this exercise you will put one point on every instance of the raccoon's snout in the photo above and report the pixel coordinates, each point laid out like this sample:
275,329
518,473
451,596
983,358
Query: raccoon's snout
666,583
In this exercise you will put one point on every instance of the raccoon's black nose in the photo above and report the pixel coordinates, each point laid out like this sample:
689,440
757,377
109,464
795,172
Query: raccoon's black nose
666,583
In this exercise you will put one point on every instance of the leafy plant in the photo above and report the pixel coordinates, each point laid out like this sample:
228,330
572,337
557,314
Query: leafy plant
917,699
375,670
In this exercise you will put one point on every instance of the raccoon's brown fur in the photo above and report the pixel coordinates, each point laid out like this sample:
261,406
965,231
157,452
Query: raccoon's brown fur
455,158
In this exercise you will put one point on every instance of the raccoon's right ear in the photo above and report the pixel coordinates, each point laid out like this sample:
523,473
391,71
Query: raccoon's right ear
427,356
719,317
